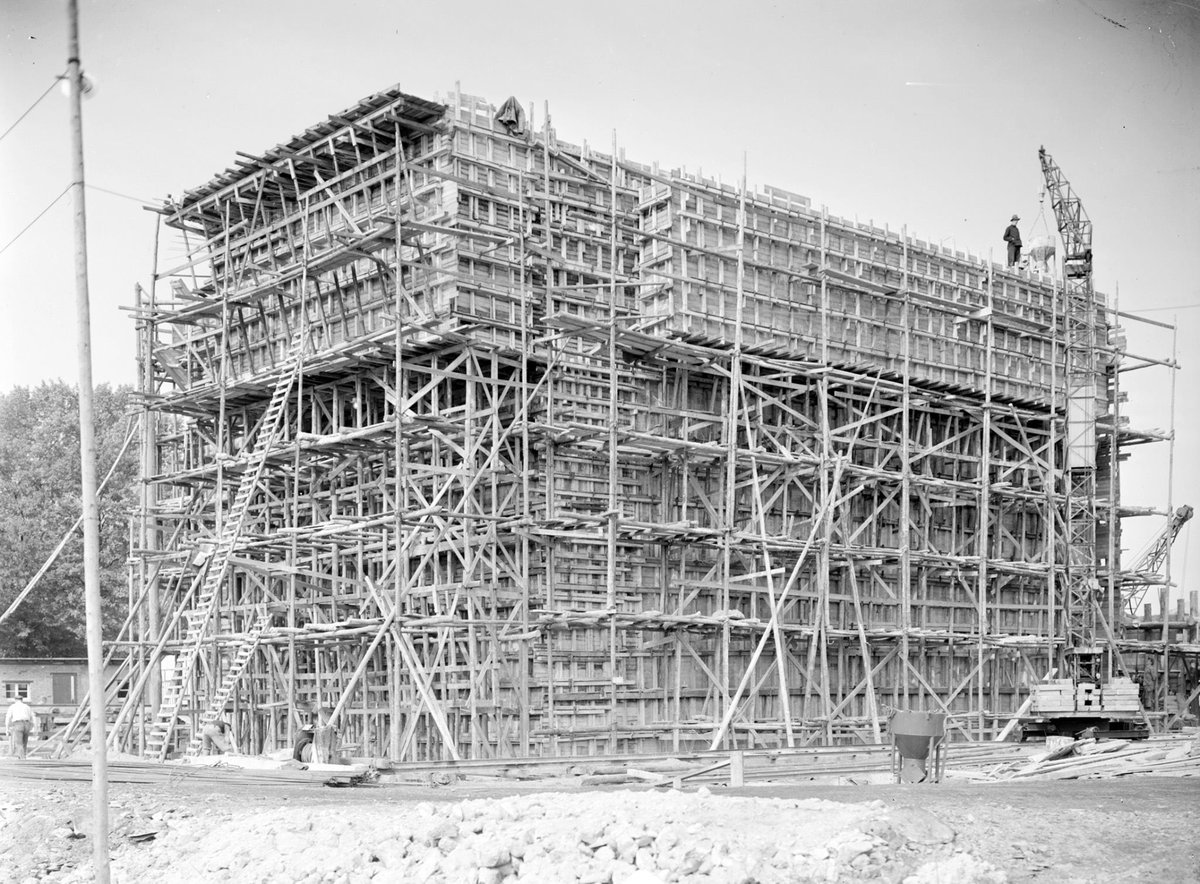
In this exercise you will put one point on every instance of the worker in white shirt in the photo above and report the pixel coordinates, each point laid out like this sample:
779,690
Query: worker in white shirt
19,721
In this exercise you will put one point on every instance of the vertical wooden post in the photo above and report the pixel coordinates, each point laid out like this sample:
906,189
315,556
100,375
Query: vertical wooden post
905,539
1165,596
1052,481
816,646
1113,551
737,769
526,647
148,526
983,548
87,458
551,549
613,438
732,406
399,545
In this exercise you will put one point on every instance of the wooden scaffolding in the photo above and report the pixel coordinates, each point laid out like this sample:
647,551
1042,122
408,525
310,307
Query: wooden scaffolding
499,446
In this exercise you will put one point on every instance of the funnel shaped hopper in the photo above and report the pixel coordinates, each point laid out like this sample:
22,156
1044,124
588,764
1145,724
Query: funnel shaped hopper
914,733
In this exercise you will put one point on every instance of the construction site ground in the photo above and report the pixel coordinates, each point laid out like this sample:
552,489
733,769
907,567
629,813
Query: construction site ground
231,826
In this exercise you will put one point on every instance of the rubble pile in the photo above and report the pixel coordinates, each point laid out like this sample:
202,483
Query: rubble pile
600,837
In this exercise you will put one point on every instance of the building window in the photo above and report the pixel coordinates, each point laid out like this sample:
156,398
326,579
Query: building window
64,688
17,690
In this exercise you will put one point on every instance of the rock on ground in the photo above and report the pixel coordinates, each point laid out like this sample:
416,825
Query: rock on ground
618,837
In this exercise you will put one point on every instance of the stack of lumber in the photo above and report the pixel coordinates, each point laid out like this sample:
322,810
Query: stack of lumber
984,762
1121,695
860,763
1057,695
1063,695
222,771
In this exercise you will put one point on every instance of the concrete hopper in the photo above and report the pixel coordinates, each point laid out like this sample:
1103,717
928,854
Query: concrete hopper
918,746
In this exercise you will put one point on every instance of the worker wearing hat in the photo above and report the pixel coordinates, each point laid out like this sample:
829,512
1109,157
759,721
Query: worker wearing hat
1012,236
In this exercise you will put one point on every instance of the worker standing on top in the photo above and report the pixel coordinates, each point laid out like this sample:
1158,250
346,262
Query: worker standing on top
1012,236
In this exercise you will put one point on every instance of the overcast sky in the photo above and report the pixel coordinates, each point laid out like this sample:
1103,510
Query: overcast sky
925,113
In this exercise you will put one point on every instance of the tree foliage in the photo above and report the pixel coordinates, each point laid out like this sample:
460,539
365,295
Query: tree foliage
40,501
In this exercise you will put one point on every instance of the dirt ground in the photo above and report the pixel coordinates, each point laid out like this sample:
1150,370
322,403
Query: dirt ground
1122,829
1128,829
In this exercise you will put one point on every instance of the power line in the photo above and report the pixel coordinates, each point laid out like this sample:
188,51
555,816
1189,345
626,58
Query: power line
31,107
38,218
136,199
60,196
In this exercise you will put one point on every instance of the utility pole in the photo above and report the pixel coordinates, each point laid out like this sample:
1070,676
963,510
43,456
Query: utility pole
87,457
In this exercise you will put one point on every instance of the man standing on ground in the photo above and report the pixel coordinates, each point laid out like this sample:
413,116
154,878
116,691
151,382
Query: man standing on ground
1012,236
19,722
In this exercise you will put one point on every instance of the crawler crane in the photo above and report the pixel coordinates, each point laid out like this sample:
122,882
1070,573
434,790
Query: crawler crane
1086,699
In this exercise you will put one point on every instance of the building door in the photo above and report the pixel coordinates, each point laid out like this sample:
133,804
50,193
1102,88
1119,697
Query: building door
64,688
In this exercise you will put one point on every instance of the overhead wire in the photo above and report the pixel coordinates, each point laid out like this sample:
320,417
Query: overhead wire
37,218
136,199
51,204
29,109
60,196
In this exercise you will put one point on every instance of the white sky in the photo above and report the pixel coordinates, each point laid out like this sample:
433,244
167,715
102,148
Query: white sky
925,113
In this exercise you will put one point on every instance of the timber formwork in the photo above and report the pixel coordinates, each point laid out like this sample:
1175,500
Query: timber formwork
496,445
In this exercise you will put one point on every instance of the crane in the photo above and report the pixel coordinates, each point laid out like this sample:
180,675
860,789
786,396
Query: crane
1085,699
1143,573
1085,648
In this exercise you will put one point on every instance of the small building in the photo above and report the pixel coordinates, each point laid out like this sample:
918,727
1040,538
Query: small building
53,686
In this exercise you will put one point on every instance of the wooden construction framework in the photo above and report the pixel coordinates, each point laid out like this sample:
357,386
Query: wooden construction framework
499,446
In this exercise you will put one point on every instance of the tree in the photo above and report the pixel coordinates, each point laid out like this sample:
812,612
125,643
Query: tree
40,501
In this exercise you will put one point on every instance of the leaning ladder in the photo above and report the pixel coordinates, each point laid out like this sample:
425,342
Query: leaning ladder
229,680
177,680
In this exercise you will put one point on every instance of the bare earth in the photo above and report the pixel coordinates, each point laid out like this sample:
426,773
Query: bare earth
1122,829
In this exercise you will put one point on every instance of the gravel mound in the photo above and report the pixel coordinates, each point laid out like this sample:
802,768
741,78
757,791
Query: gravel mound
592,837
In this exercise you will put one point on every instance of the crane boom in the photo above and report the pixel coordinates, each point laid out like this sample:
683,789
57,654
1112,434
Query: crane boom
1073,223
1144,572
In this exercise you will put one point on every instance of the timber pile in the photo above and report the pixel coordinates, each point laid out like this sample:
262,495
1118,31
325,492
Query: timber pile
234,772
856,765
976,762
1092,759
1172,756
1120,695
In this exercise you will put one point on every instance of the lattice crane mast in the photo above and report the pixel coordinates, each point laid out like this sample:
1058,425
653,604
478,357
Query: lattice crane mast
1144,572
1087,650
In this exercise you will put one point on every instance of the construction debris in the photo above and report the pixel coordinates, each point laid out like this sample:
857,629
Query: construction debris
1109,758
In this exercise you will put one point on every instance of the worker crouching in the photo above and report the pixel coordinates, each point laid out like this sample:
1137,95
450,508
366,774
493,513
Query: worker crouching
218,738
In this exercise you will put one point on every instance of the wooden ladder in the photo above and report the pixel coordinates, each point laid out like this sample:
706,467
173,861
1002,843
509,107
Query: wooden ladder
237,666
178,680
